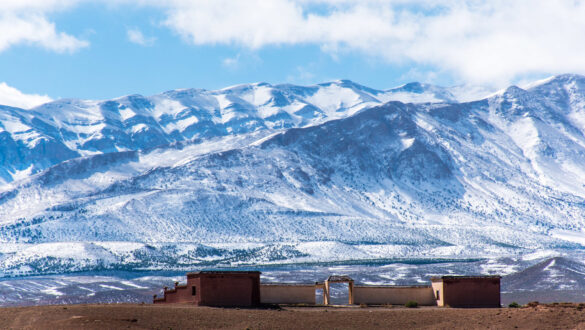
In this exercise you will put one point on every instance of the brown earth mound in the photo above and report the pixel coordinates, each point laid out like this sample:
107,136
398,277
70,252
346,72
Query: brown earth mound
124,316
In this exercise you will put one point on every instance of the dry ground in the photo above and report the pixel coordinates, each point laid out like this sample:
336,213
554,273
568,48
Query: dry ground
123,316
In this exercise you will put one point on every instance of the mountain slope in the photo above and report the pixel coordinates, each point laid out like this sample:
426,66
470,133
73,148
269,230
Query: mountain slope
33,140
557,273
497,176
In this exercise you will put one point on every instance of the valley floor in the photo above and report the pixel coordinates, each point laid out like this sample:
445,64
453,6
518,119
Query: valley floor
117,316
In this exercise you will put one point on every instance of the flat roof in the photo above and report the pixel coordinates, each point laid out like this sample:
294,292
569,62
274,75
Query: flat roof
465,277
393,286
287,284
224,272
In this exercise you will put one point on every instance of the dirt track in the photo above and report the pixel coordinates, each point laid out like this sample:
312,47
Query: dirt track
189,317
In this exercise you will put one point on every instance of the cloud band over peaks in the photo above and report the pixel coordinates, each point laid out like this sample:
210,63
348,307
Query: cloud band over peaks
478,41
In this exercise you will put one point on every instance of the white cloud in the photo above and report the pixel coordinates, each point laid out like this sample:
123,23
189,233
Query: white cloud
35,30
13,97
36,5
302,75
25,22
231,62
136,36
478,41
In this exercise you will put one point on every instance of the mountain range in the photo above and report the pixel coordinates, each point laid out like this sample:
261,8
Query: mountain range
261,174
35,139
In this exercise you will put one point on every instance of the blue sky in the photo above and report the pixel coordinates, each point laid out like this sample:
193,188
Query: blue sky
107,48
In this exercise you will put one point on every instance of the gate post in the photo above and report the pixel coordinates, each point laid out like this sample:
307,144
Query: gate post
326,293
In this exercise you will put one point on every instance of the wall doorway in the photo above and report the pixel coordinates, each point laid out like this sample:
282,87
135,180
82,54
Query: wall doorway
338,290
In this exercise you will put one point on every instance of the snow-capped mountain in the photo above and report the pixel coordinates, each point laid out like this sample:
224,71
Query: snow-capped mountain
554,274
253,180
33,140
558,279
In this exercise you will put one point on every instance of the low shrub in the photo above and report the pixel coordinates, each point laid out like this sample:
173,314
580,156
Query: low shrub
514,305
533,304
411,304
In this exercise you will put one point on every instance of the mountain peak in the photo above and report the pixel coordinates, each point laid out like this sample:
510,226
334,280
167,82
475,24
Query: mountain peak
183,92
555,81
414,87
340,82
514,90
569,76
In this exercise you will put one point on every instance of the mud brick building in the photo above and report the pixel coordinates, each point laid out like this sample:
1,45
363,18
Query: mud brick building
216,288
467,291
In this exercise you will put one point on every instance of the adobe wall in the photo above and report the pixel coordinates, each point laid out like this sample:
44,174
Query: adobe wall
177,295
472,293
379,295
438,293
180,294
221,290
287,294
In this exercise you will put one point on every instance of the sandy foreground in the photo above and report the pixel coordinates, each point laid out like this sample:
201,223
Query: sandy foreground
127,316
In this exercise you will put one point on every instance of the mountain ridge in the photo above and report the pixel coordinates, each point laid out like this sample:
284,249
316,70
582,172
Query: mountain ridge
70,128
493,177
